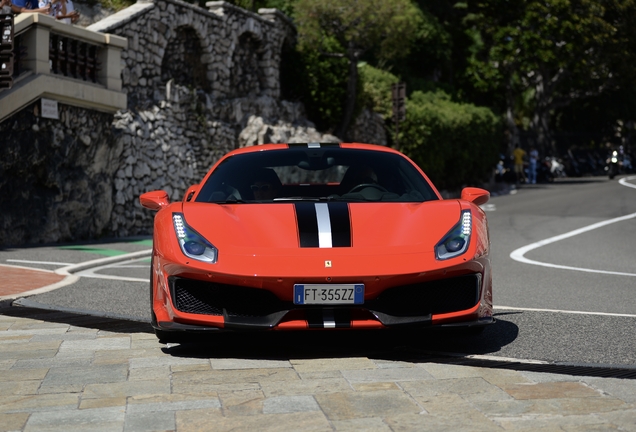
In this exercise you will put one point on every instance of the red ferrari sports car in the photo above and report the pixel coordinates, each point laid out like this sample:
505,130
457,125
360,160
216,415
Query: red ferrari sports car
318,236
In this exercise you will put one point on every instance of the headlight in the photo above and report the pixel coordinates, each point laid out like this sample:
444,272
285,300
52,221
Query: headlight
456,241
192,244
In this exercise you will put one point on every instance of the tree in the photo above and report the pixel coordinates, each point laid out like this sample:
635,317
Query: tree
357,27
544,55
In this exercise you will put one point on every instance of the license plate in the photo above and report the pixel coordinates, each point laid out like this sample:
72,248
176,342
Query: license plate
329,294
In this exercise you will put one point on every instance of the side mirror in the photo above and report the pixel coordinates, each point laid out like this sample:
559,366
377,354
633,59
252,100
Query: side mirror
190,192
155,200
475,195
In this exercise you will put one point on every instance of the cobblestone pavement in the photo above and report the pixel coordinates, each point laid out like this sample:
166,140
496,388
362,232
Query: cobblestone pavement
66,372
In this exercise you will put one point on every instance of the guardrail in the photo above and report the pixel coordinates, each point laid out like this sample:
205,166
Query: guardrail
63,62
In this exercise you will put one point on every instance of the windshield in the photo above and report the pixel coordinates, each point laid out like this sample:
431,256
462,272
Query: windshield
329,173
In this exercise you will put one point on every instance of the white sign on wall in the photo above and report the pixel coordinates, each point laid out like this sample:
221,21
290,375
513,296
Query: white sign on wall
49,109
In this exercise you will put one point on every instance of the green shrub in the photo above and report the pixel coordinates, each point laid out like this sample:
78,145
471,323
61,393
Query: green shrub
456,144
376,89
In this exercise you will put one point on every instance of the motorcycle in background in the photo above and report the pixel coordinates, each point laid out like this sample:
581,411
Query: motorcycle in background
618,162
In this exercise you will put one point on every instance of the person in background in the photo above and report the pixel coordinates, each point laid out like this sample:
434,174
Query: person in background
519,155
62,10
21,6
532,168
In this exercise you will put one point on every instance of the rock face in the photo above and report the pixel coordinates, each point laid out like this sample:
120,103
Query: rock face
199,83
56,176
171,145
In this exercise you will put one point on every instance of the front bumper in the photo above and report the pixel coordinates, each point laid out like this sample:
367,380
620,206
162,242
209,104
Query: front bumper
200,305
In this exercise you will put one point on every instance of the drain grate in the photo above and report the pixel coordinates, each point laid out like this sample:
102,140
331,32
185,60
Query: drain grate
601,371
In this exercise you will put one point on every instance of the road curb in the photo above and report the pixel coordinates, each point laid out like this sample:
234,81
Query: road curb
71,278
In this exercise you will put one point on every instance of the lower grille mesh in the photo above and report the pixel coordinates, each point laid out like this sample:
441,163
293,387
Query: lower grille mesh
207,298
436,297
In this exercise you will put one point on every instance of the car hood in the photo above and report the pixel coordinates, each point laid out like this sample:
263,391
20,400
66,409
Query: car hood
290,229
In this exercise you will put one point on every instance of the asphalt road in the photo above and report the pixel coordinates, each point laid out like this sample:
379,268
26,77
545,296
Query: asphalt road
568,300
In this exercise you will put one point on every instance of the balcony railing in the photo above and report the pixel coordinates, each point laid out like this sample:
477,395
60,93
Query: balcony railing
64,62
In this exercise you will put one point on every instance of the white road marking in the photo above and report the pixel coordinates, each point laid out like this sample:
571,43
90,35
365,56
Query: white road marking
624,180
488,207
518,254
39,262
564,311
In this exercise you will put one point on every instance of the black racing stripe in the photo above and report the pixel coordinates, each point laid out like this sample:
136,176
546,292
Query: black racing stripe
307,224
340,224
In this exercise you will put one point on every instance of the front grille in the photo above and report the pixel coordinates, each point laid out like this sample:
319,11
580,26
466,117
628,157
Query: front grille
435,297
208,298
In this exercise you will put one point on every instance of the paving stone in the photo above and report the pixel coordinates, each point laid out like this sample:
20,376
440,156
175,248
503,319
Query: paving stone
66,336
369,424
442,371
620,388
162,372
224,377
7,364
23,374
471,388
314,421
123,356
14,339
20,355
98,344
502,377
248,364
557,423
449,404
89,420
30,345
13,422
55,362
374,386
384,375
19,387
343,406
289,404
305,387
191,367
550,390
469,422
165,360
103,402
391,364
39,325
320,375
150,421
189,387
81,376
34,403
315,365
30,333
174,405
128,388
243,402
625,419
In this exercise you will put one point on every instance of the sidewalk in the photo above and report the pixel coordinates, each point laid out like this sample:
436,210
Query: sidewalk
65,372
19,280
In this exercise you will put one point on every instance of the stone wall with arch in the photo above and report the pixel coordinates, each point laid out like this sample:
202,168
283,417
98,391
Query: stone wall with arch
239,50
